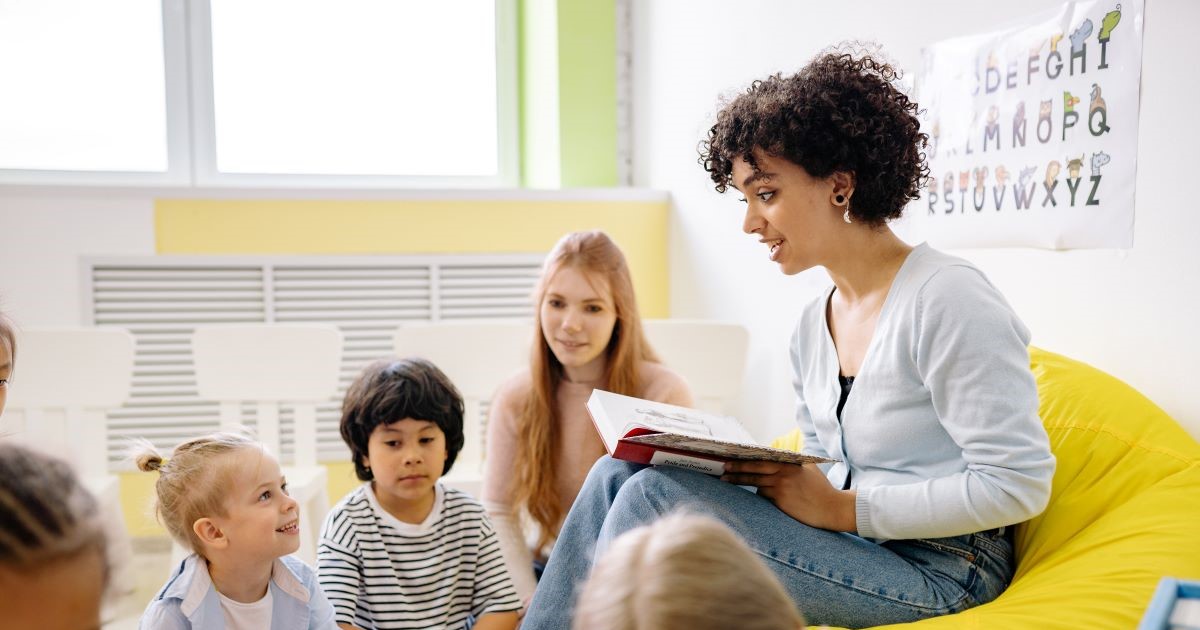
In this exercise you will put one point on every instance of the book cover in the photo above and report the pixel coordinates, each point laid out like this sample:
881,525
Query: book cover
648,432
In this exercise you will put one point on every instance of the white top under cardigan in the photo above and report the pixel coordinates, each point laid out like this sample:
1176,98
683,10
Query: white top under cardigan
941,430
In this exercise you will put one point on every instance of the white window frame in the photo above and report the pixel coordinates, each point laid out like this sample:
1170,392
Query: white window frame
191,130
175,85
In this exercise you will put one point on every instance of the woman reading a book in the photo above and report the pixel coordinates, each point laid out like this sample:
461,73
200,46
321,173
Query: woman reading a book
911,370
540,441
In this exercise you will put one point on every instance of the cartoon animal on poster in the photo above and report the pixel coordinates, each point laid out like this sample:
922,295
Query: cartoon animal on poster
1024,179
1110,21
1073,166
1045,109
1052,171
980,194
1018,124
1098,160
1069,103
1097,103
1079,35
981,174
1001,186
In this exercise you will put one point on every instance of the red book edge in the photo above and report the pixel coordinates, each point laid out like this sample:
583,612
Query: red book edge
639,453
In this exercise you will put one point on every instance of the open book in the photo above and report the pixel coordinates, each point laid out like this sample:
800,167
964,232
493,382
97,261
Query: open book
647,432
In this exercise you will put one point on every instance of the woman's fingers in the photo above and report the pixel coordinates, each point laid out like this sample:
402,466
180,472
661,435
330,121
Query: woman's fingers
757,468
746,479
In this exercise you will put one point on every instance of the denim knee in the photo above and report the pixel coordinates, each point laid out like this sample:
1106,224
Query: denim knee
656,490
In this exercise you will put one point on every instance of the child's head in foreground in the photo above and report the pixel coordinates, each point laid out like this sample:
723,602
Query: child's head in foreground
403,422
683,571
223,496
53,568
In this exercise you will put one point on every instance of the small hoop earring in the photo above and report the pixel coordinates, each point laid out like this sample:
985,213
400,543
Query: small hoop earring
846,216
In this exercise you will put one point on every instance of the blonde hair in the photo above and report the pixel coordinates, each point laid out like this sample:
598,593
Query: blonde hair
190,486
683,571
593,253
48,514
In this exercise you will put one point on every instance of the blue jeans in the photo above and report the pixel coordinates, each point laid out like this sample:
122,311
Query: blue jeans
835,578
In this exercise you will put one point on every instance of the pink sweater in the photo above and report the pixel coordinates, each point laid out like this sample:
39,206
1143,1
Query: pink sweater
579,447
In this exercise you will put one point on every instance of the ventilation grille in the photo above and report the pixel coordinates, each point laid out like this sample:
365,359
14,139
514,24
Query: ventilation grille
161,300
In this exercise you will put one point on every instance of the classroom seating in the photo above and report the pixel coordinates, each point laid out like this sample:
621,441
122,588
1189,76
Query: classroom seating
710,356
64,382
477,356
274,365
1123,511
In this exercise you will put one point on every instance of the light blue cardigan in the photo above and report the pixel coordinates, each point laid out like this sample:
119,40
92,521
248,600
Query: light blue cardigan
189,600
940,430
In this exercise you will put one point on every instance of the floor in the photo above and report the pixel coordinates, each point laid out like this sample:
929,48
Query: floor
151,565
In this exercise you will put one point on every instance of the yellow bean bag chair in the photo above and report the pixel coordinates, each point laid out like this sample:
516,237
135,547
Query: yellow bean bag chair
1124,509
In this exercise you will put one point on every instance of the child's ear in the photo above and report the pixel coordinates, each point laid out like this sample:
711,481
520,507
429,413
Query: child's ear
209,533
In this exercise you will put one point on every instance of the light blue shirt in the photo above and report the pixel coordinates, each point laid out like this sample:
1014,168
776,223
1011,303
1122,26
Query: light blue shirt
190,601
940,432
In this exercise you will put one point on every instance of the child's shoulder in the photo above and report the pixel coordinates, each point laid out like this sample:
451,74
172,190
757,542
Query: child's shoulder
460,505
354,504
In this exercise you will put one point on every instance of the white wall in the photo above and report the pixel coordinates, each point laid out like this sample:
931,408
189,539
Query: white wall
1131,313
42,237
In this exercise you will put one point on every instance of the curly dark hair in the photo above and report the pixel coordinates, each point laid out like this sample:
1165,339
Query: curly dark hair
840,113
387,391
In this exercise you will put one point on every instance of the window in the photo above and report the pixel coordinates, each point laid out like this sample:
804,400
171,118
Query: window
84,89
326,93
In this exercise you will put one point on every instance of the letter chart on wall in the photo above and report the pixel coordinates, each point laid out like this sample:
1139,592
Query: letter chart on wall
1033,131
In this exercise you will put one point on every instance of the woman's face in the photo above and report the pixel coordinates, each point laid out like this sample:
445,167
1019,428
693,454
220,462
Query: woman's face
578,317
792,212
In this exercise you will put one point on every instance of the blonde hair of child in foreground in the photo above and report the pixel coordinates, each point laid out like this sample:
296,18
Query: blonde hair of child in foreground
683,571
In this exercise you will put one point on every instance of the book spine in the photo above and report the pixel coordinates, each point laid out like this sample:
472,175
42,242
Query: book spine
654,455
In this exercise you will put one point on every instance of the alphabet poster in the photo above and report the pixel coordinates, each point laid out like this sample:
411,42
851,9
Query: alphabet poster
1033,131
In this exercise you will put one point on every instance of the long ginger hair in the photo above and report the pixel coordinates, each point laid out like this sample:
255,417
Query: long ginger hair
595,254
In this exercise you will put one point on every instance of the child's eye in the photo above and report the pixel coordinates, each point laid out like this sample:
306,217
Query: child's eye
285,490
3,382
426,440
265,496
391,443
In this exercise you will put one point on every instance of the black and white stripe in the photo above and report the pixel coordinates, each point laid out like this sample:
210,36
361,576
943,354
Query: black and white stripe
381,573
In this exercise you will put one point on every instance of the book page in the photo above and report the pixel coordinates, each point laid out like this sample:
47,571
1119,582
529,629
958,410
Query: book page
615,415
683,421
727,450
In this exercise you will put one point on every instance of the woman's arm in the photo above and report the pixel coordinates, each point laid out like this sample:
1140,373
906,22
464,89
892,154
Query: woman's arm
971,353
497,490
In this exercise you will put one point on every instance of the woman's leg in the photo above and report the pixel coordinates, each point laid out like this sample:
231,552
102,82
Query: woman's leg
835,578
571,560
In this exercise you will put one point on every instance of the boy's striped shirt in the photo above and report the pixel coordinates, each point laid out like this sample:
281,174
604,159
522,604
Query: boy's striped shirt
379,572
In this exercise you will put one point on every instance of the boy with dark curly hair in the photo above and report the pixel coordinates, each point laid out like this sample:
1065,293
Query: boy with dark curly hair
910,370
401,550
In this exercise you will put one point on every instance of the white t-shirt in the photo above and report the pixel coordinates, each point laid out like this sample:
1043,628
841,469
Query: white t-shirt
252,616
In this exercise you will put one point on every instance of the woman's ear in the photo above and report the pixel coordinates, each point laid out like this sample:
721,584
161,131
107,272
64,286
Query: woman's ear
842,187
210,534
